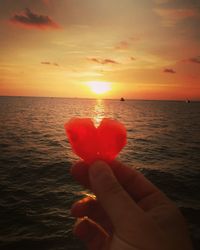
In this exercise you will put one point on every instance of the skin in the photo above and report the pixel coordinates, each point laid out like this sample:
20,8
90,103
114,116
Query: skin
128,213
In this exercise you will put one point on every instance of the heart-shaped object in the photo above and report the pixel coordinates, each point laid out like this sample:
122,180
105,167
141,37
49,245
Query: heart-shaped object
91,143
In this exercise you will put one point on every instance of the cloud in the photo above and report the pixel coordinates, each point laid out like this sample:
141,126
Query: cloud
195,59
94,60
132,58
171,71
107,61
126,44
50,63
103,61
123,45
172,16
30,19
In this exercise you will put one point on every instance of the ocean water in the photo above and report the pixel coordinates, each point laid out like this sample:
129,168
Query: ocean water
36,188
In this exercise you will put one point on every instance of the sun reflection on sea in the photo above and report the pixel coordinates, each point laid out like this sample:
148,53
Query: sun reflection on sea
99,112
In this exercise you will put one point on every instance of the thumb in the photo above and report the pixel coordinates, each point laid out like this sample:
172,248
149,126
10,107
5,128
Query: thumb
113,198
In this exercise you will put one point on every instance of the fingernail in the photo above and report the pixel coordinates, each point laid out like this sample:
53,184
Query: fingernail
81,228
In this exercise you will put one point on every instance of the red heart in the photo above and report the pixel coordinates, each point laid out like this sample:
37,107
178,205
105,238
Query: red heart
91,143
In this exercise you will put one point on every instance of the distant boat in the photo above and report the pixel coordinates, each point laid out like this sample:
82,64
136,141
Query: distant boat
122,99
187,101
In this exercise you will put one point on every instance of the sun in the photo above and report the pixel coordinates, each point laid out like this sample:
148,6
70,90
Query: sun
99,87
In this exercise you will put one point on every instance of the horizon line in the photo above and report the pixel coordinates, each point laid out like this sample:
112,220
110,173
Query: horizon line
93,98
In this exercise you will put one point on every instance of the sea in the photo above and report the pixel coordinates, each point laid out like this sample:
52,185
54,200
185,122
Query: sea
37,189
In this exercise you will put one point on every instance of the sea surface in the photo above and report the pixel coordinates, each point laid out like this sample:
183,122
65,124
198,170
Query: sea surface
36,188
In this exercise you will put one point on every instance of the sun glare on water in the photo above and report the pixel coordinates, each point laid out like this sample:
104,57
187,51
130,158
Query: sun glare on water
98,87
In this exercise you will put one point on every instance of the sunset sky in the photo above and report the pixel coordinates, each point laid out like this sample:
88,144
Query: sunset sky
148,49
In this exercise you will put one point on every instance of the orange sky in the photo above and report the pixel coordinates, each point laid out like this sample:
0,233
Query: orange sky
148,49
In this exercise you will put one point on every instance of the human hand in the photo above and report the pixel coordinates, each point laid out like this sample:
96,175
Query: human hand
129,212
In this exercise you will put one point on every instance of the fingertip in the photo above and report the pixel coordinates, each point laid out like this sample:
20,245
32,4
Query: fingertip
90,233
79,207
81,228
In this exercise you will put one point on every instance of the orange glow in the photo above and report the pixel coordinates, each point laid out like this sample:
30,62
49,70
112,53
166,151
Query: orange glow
62,49
99,87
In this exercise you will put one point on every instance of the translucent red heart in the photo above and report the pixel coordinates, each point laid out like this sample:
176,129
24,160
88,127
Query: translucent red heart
91,143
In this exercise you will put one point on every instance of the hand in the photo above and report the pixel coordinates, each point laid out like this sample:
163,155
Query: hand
128,213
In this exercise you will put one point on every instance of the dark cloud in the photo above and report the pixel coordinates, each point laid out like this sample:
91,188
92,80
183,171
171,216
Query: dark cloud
132,58
94,60
195,59
30,19
50,63
171,71
103,61
107,61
